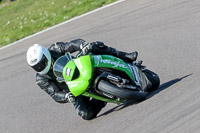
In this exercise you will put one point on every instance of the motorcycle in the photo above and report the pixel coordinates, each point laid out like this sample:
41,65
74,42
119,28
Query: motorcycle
105,77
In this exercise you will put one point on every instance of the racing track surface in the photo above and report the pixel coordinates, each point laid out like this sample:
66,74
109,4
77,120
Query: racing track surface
166,33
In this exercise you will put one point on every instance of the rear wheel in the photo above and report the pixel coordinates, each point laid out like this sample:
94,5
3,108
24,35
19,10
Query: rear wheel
153,78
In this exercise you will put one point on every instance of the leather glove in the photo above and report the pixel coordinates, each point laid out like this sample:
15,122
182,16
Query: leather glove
86,48
69,97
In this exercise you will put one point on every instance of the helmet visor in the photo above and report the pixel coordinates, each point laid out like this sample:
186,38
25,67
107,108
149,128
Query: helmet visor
41,65
60,64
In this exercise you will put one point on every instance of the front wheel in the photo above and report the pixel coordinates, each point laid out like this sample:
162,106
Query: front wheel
153,78
122,93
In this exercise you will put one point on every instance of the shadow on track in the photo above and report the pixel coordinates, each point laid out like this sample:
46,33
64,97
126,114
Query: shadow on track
166,85
161,88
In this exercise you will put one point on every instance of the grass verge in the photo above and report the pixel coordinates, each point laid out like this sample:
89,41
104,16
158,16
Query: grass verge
21,18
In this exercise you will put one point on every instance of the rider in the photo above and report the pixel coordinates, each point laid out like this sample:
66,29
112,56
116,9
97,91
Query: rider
42,59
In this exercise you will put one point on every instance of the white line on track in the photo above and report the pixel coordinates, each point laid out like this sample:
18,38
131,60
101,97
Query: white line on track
70,20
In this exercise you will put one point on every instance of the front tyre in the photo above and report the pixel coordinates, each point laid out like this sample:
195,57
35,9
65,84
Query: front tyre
122,93
153,78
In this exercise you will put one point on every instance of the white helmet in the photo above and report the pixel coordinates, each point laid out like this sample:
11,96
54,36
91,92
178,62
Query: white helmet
39,58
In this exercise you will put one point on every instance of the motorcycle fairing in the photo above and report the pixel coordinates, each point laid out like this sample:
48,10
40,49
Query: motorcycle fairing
81,83
112,62
85,65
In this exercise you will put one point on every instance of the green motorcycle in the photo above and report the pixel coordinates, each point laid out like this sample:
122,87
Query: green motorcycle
105,78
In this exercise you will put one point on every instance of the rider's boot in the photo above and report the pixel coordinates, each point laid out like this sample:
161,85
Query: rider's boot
100,48
128,57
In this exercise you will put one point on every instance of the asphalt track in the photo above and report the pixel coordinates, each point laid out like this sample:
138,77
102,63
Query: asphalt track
166,33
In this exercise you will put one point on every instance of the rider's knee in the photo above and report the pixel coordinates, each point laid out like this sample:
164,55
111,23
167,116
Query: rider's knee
85,114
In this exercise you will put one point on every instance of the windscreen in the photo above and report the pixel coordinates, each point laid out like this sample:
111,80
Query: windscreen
60,64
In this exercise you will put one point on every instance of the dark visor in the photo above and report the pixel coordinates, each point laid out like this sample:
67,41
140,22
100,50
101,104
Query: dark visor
41,65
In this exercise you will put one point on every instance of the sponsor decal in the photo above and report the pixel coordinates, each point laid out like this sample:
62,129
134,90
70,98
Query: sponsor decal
33,61
135,73
68,71
115,63
73,85
98,59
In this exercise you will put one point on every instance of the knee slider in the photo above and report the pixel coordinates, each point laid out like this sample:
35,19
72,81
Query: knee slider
82,111
83,114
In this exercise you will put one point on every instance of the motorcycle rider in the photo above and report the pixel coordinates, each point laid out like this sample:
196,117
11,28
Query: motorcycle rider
41,60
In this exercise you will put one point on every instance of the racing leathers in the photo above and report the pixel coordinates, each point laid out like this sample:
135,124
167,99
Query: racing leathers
87,108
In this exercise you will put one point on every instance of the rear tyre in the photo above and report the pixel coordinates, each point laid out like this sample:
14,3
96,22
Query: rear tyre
153,78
